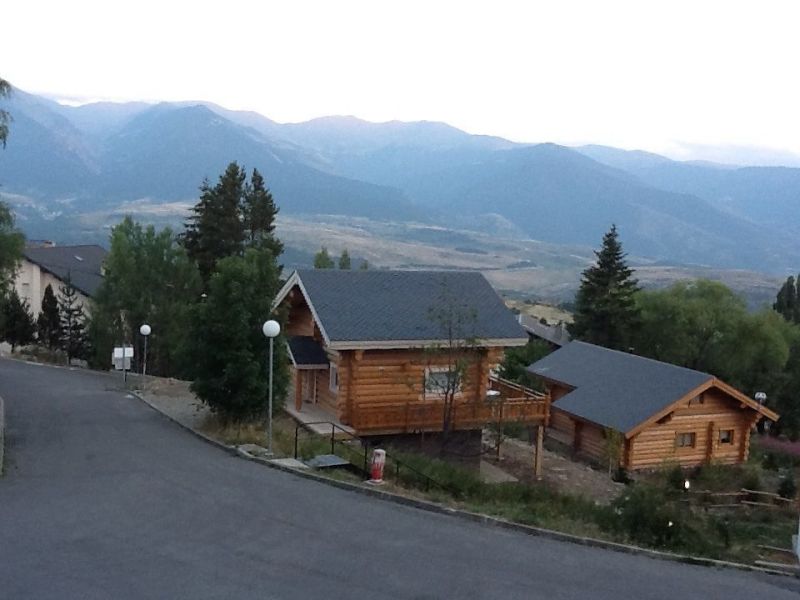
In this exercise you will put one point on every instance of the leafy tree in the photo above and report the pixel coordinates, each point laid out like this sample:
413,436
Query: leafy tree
228,348
48,324
516,361
216,228
258,215
323,260
149,278
344,260
688,324
11,244
5,118
605,308
74,340
18,327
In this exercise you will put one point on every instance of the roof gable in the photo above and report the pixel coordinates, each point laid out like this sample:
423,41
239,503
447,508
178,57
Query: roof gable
84,264
398,308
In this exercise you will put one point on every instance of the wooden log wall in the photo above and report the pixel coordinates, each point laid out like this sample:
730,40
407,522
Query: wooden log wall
384,390
656,445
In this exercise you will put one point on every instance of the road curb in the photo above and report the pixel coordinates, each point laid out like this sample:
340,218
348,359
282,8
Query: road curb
467,515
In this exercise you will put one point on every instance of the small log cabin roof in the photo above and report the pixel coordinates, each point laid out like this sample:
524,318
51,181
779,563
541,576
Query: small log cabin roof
624,391
306,353
398,309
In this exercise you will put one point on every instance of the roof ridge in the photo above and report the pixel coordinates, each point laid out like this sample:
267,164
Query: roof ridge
642,358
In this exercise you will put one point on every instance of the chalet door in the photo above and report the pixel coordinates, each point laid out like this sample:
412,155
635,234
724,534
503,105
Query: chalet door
309,386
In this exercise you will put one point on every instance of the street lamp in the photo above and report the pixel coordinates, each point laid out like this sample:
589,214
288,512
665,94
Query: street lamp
145,331
270,329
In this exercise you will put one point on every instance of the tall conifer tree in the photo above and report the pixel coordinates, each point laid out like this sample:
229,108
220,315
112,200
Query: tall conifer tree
344,260
786,302
74,340
258,215
216,229
605,306
48,324
18,327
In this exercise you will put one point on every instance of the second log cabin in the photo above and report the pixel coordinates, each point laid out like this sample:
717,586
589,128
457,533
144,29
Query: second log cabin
371,350
657,413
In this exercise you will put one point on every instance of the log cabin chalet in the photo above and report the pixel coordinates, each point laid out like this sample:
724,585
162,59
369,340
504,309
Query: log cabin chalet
666,414
368,348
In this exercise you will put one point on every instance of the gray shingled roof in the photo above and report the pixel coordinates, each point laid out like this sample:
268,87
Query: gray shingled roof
306,351
84,264
615,389
384,306
555,334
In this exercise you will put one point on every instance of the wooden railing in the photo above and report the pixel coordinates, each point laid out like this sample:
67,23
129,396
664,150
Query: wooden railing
525,406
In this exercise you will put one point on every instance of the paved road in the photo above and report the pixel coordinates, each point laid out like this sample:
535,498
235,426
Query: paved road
104,498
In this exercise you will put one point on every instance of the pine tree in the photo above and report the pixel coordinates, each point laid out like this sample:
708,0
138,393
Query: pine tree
323,260
605,306
786,302
18,327
364,265
74,340
258,216
344,260
48,324
216,229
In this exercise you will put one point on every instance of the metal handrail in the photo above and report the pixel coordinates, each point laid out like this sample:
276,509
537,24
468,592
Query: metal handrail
398,463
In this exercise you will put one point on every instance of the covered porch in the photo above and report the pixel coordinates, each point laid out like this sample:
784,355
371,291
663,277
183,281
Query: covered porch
314,383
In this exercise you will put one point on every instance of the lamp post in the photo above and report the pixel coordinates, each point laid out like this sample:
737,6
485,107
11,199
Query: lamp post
145,330
270,329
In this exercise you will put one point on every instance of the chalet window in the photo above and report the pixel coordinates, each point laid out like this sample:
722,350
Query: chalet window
726,436
438,380
685,440
334,381
697,400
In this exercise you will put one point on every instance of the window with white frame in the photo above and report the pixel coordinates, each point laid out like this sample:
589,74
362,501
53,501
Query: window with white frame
439,380
334,377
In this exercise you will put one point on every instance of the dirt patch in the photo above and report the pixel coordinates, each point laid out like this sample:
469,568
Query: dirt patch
558,471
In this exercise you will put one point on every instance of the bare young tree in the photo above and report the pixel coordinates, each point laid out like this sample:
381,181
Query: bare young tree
450,359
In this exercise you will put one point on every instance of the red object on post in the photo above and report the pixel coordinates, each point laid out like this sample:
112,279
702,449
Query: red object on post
378,462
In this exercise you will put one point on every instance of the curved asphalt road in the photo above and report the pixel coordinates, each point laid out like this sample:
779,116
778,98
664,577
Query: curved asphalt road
104,498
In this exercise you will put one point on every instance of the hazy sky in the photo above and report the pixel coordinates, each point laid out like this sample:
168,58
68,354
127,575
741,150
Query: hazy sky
666,76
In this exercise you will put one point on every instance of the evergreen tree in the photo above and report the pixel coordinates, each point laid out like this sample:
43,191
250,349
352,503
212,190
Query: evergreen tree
323,260
605,305
787,302
344,260
228,348
48,324
216,229
74,340
364,265
18,327
258,216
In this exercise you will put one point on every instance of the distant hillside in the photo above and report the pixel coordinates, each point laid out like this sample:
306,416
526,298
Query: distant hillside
163,153
77,169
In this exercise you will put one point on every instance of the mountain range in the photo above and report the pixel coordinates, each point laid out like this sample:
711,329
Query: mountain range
63,163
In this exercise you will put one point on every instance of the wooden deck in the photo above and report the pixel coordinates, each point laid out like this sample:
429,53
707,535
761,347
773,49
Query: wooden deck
515,404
